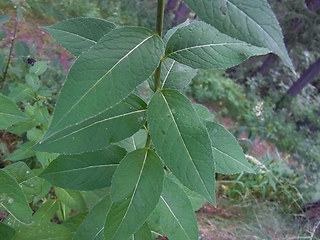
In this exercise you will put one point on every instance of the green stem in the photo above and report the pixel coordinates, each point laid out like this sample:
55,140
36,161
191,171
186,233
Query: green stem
159,29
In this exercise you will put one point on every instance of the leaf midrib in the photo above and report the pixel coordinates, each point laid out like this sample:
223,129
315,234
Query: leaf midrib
101,78
90,125
171,211
80,169
64,31
229,156
134,191
187,150
256,23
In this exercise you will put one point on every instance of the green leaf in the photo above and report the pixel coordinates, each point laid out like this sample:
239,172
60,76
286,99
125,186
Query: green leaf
144,233
79,34
173,30
211,49
174,213
251,21
43,231
93,225
33,81
228,154
84,172
98,132
203,112
135,192
39,67
4,18
74,222
23,152
72,199
13,200
20,92
93,197
105,75
138,140
46,212
41,114
30,183
182,141
6,232
174,75
45,158
22,127
2,35
21,49
10,113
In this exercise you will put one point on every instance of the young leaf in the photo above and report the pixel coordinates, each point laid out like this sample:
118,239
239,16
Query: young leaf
210,49
39,68
72,199
20,92
93,225
43,231
33,81
182,141
21,49
13,200
135,192
174,75
228,154
174,213
98,132
79,34
46,212
31,185
251,21
105,75
10,113
23,152
4,18
84,172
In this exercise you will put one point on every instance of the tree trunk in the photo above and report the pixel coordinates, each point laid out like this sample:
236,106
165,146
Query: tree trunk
182,14
306,78
171,5
267,64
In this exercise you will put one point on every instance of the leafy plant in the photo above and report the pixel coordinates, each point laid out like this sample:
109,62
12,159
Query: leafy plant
143,167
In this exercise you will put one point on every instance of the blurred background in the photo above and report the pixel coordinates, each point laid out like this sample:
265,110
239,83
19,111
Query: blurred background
274,114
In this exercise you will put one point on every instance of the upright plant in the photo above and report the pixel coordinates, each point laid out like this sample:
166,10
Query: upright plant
158,158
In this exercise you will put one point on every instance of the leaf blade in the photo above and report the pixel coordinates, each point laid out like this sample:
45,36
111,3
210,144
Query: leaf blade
228,154
182,141
251,21
135,200
13,199
84,172
210,50
79,34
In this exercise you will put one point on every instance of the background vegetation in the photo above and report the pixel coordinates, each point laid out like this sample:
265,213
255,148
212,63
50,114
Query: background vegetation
271,111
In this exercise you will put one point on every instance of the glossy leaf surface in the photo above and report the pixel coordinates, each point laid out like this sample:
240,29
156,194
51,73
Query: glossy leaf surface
210,49
13,200
79,34
228,154
174,213
84,172
251,21
135,192
10,113
182,141
112,125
